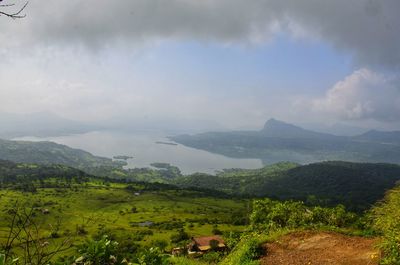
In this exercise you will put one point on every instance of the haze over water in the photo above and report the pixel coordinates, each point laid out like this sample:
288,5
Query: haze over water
143,148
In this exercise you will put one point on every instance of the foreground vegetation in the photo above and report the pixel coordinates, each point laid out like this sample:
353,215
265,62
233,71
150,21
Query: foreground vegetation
60,214
387,221
54,214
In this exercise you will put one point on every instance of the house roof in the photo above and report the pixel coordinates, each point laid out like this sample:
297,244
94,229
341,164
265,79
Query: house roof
203,242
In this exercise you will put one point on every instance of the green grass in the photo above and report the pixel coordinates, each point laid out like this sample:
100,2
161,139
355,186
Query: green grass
109,208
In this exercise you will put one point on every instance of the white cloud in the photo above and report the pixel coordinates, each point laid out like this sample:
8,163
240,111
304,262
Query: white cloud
44,67
362,95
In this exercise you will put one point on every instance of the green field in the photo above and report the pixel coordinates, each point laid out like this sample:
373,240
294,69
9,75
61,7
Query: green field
54,214
92,209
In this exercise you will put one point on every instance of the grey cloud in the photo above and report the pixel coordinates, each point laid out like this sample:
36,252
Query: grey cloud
369,29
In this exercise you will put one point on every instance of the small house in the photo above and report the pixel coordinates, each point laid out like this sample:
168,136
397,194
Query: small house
205,244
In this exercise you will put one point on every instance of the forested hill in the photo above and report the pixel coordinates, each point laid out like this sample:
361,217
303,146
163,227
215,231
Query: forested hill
23,174
356,185
280,141
47,153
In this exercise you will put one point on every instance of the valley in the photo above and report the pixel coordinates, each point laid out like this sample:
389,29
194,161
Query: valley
159,210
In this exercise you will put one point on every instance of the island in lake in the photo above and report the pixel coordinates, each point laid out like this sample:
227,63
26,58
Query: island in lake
166,143
122,157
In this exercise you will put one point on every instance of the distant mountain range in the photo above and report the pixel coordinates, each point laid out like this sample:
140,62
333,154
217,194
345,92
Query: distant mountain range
280,141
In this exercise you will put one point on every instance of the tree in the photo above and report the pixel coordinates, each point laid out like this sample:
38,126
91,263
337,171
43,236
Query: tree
5,10
25,237
214,244
179,237
161,244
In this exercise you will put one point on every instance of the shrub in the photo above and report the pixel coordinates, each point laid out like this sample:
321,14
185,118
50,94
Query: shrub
232,239
216,231
211,257
160,244
289,214
152,256
179,237
245,253
386,216
80,230
103,251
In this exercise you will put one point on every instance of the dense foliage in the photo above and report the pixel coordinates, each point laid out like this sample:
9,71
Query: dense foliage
19,173
386,217
272,215
355,185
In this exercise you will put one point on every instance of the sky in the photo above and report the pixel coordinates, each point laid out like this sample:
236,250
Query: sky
223,63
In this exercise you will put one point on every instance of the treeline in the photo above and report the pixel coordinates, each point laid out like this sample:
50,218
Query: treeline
13,173
355,185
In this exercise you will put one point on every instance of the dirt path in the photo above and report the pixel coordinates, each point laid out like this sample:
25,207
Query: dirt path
321,248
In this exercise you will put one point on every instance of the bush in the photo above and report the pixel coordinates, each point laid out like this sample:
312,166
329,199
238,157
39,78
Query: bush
179,237
152,256
160,244
245,253
211,257
391,249
232,239
103,251
289,214
386,216
216,231
80,230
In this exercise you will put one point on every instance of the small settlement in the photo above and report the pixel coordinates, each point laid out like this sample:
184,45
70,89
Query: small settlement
201,245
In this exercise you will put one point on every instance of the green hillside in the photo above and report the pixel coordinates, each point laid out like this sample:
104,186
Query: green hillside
63,204
51,153
79,217
356,185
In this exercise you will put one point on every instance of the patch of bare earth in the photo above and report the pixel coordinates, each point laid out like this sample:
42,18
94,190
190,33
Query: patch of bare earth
321,248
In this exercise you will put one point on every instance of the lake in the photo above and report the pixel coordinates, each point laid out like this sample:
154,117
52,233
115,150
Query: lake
143,148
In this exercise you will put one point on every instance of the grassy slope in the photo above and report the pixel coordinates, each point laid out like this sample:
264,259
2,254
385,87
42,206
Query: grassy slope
96,204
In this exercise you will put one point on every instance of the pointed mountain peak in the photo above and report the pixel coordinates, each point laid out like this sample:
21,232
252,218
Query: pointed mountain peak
281,129
273,125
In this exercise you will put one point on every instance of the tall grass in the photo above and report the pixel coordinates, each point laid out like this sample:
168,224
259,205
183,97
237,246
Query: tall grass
386,219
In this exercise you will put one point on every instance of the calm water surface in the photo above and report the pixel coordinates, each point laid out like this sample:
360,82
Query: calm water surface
144,150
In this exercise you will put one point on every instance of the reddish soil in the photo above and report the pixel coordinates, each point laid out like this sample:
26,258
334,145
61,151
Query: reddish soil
321,248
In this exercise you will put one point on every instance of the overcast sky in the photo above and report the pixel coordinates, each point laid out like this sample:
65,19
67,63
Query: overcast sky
233,62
